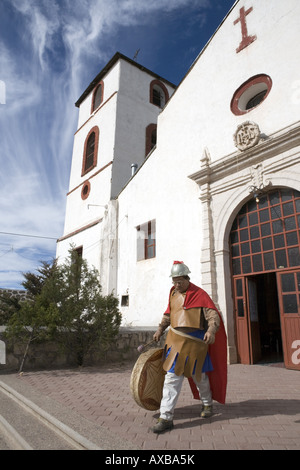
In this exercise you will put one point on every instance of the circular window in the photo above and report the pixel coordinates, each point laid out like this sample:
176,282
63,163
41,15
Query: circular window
250,94
86,188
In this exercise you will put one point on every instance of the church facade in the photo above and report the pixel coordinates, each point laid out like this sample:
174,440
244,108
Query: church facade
207,173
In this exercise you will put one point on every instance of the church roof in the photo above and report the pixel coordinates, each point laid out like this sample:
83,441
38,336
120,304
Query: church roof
108,66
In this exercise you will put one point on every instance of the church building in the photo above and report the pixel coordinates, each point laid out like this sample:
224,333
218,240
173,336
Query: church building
207,173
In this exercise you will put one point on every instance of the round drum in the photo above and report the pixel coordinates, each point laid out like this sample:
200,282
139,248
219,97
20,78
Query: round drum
147,379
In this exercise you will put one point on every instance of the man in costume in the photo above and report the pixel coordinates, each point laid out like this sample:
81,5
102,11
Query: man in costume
195,347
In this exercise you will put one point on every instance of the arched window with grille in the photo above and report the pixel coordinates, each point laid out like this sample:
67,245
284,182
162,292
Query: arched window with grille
90,154
159,94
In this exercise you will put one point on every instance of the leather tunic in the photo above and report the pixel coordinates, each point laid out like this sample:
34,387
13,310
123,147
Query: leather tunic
181,317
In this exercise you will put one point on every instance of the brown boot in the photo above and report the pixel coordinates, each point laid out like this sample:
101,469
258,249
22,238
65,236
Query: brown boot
207,411
162,425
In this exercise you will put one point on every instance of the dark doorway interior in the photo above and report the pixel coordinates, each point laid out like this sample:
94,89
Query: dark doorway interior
267,342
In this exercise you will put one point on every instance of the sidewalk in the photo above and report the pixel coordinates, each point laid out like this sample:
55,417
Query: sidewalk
262,409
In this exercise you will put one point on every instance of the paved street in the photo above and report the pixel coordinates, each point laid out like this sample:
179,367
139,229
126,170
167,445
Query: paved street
262,410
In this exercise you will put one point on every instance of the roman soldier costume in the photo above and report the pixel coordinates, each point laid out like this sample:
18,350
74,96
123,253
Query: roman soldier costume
189,316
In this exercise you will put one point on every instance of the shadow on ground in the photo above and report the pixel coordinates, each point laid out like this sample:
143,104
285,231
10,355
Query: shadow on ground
243,410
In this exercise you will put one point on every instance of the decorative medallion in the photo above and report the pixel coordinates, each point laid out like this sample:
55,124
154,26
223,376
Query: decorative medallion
247,135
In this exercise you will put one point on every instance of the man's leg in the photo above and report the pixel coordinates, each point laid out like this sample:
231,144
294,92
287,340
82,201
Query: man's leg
171,390
205,395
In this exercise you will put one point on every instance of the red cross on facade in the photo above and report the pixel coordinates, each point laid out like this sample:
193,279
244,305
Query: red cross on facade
246,40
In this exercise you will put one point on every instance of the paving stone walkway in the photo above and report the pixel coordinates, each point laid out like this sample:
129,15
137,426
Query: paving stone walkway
262,410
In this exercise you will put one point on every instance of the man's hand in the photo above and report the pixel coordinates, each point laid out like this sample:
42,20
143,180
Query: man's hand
209,338
157,335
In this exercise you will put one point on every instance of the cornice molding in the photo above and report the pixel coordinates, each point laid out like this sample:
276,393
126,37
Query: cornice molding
268,147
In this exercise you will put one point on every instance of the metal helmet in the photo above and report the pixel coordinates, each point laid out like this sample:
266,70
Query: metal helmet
179,269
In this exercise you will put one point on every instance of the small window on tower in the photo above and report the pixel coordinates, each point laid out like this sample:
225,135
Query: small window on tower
85,191
158,96
90,151
97,96
158,93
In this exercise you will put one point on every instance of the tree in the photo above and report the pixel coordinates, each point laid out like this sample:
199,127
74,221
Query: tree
65,303
33,322
35,282
33,319
10,303
86,319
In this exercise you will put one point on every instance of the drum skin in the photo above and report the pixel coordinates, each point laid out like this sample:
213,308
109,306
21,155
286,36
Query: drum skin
147,379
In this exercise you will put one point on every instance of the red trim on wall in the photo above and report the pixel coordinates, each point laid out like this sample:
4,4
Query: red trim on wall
80,230
92,176
96,111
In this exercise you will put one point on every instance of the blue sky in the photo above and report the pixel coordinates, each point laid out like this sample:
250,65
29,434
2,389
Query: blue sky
50,50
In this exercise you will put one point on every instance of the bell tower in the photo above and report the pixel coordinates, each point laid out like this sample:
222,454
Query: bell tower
116,128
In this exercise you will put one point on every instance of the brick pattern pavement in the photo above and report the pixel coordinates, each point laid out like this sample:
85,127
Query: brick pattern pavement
262,409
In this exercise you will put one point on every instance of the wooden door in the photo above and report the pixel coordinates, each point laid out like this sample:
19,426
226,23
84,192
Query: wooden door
241,315
288,283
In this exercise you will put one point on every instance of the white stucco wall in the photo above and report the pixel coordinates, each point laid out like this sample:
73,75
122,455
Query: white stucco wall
165,196
198,116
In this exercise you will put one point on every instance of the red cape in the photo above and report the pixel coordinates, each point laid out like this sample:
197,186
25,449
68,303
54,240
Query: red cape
195,298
